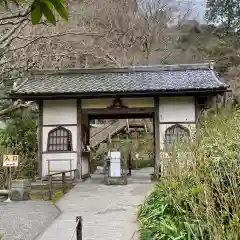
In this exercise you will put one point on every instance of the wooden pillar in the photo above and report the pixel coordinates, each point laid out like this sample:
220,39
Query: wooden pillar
224,99
79,138
40,137
197,110
88,143
86,134
156,136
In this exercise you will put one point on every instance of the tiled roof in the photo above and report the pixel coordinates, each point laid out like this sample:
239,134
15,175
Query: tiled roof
135,79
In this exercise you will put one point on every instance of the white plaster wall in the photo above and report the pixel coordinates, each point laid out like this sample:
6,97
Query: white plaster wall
73,130
58,164
177,109
59,112
107,102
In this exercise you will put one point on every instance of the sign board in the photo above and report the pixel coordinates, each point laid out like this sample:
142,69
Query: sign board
10,160
115,164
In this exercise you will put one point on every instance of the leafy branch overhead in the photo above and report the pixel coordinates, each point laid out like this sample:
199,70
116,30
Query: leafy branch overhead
42,8
46,8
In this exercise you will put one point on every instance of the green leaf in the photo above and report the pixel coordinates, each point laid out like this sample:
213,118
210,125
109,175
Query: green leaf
48,13
36,14
60,8
49,4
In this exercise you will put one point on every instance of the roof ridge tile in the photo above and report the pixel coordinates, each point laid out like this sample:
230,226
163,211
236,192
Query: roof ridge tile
127,69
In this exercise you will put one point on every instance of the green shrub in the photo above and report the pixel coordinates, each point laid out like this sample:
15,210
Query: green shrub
138,164
198,195
143,145
20,138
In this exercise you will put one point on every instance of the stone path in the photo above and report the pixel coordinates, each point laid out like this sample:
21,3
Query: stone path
25,220
108,212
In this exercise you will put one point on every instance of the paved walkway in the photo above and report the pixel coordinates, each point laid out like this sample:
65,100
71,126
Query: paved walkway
108,212
25,220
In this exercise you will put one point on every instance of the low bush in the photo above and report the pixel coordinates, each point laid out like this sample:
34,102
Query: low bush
138,164
198,195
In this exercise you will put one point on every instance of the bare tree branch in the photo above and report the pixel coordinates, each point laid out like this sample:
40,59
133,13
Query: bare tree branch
14,106
15,15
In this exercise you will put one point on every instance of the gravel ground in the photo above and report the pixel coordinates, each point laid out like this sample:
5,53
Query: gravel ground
25,220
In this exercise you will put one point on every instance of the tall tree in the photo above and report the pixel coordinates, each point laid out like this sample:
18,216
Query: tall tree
224,12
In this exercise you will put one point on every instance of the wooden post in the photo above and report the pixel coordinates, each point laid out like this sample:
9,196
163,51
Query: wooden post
157,137
50,186
63,182
79,138
79,228
75,176
40,137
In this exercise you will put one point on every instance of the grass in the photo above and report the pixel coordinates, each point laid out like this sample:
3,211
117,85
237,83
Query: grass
42,194
58,195
198,196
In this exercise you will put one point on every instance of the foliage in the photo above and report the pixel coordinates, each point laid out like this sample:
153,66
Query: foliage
57,195
142,163
40,8
46,7
20,137
197,197
224,12
133,142
205,42
209,42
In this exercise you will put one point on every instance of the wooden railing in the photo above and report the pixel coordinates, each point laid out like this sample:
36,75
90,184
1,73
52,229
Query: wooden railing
98,129
104,133
63,173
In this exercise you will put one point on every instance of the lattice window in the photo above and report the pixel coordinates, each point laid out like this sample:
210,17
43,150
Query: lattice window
59,139
175,134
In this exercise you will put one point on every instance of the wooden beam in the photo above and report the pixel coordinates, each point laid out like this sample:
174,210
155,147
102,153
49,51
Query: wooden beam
59,125
79,138
118,111
156,136
122,116
40,137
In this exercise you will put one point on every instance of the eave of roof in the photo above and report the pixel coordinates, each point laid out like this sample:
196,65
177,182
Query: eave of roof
149,80
186,92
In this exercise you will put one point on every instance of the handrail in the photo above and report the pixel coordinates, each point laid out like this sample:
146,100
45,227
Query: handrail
111,124
50,182
57,173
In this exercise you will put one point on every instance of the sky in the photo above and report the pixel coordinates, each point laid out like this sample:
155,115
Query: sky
198,8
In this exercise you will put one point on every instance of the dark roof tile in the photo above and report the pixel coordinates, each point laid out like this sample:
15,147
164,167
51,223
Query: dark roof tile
124,80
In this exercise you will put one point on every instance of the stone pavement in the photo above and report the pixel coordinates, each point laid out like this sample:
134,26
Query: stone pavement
25,220
108,212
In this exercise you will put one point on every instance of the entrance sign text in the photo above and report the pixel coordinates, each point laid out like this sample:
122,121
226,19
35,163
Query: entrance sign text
10,160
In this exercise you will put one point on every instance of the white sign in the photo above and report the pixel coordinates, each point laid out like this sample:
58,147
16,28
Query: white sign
10,160
115,164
